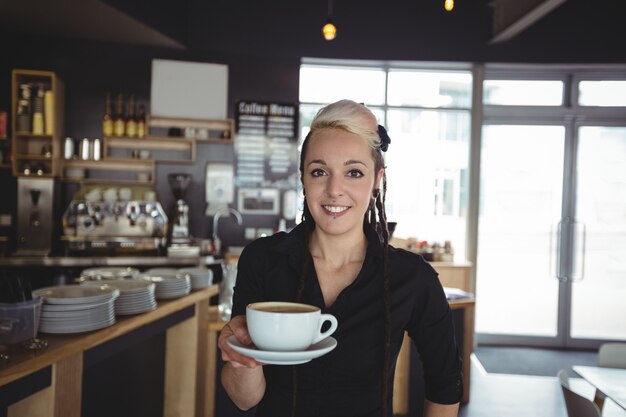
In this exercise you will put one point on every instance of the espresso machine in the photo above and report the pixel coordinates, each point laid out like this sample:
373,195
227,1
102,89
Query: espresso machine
180,242
114,221
35,216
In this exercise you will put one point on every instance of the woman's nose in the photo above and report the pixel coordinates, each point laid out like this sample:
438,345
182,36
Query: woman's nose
334,186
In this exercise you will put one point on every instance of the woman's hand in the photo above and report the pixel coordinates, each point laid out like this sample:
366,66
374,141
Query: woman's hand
238,327
242,377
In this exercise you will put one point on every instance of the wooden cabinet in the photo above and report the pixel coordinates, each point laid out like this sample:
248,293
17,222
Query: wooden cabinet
37,120
455,274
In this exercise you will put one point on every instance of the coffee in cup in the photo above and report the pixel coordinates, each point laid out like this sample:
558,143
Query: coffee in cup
284,326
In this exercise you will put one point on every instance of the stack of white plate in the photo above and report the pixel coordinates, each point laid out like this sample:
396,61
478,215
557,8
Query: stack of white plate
169,285
99,274
76,308
200,277
136,295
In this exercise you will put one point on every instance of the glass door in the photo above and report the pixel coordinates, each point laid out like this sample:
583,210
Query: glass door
521,194
598,308
551,229
551,269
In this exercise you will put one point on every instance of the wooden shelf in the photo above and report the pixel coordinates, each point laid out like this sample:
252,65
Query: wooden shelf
106,167
151,142
160,146
28,145
35,175
211,124
32,157
215,126
110,163
32,135
117,151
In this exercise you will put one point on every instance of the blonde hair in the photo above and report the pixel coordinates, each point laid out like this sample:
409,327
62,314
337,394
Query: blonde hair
352,117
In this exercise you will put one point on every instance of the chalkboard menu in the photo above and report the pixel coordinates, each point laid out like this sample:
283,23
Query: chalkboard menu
266,145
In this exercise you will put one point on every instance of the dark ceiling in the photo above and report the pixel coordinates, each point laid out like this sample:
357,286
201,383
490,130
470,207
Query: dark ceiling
575,31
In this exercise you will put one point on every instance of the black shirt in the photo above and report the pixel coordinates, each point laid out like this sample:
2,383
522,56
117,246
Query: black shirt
347,381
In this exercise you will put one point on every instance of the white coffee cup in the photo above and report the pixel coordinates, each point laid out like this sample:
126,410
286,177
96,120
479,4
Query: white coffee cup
284,327
125,193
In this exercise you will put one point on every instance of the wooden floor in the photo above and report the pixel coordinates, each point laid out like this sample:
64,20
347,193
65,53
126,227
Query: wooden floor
502,395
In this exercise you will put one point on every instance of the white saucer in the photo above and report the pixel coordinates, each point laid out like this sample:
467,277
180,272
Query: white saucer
284,358
76,294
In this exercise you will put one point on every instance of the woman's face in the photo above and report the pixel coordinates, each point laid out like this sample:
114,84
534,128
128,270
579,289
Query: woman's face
339,178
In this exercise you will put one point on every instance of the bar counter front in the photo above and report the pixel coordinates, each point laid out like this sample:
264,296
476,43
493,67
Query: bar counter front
150,364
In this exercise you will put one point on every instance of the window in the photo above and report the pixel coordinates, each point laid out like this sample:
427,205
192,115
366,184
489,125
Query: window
602,93
427,115
320,84
523,92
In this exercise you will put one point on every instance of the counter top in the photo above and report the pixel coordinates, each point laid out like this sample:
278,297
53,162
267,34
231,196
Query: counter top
88,261
62,346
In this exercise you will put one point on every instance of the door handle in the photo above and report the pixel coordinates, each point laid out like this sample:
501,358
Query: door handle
579,251
556,252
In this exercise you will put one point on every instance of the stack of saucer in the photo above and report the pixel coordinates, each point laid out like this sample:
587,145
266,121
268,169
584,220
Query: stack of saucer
99,274
200,277
136,295
76,308
169,285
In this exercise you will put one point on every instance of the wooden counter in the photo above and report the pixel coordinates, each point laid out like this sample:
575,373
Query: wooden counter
184,321
401,393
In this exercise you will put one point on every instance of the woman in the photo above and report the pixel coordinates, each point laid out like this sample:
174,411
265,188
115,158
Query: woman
336,259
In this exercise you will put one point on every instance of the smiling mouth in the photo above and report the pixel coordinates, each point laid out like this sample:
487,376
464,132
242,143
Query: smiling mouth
335,210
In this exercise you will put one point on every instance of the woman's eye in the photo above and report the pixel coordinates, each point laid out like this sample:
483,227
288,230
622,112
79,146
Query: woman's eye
318,173
355,173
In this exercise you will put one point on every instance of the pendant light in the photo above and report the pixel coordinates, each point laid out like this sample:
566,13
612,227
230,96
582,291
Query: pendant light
448,5
329,30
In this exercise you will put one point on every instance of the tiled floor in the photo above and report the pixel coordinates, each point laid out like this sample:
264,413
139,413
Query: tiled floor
501,395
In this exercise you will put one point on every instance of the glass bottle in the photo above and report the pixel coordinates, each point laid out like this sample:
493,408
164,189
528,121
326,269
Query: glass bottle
107,120
119,126
141,121
131,122
38,127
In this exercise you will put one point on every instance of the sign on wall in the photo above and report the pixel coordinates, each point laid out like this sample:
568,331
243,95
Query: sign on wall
266,145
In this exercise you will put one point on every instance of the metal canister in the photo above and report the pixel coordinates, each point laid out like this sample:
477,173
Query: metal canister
84,149
97,149
68,148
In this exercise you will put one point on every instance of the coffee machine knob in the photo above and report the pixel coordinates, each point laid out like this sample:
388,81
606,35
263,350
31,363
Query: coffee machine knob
88,223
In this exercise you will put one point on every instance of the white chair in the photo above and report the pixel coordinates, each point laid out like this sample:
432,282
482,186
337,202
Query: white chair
576,404
612,355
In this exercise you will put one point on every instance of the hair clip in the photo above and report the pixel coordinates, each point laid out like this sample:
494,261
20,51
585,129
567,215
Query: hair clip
385,140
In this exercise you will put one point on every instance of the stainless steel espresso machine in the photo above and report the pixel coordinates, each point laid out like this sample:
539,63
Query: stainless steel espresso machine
35,216
114,221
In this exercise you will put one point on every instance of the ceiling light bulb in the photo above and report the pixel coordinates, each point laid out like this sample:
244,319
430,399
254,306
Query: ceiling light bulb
448,5
329,31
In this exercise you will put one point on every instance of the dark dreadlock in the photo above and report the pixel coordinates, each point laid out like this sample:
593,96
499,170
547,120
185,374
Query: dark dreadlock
377,206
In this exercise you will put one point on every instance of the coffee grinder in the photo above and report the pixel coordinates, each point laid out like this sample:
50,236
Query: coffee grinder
179,241
35,216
